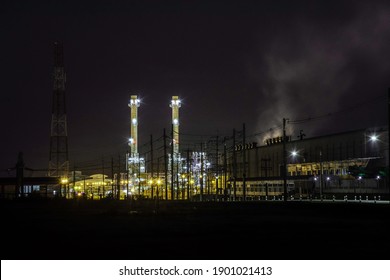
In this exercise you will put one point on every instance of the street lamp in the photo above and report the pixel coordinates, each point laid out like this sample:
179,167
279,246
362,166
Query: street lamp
371,138
64,182
158,186
296,158
377,181
191,187
183,176
294,153
151,188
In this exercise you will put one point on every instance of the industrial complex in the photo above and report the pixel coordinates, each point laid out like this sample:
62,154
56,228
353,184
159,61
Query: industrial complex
352,164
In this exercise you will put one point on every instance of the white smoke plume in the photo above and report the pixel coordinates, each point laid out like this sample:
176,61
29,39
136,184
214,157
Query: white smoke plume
314,71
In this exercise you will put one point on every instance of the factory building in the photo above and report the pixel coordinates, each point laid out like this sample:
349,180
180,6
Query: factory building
353,162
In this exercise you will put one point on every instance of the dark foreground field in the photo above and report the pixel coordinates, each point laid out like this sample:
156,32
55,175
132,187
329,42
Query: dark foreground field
181,230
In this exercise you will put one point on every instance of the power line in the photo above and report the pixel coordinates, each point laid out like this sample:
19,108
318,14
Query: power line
349,109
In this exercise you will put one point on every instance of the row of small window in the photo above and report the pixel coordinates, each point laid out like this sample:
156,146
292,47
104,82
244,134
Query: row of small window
325,172
261,189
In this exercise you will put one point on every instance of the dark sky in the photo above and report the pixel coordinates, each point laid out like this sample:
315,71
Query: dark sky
231,62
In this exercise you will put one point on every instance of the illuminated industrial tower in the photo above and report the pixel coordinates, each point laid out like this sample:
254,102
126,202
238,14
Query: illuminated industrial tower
135,164
133,141
174,157
175,105
58,159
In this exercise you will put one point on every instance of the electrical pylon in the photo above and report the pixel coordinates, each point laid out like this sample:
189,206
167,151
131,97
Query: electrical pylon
58,160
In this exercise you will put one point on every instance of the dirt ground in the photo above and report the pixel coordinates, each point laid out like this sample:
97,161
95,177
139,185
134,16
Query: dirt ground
115,230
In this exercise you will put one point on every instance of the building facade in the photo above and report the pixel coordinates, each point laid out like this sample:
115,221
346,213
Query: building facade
348,163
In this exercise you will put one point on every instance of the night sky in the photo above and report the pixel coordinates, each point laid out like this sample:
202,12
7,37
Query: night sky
231,62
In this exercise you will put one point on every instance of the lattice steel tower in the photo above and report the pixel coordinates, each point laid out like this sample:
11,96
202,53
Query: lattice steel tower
58,160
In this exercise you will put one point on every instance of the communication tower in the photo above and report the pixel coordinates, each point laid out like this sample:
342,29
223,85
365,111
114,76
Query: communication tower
58,159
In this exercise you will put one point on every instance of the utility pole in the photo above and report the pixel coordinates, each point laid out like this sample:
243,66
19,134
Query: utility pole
234,166
243,163
216,168
139,177
151,163
388,140
284,161
118,178
20,176
165,165
104,191
201,171
265,167
158,179
127,178
112,176
84,191
74,181
188,174
177,178
321,176
224,166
